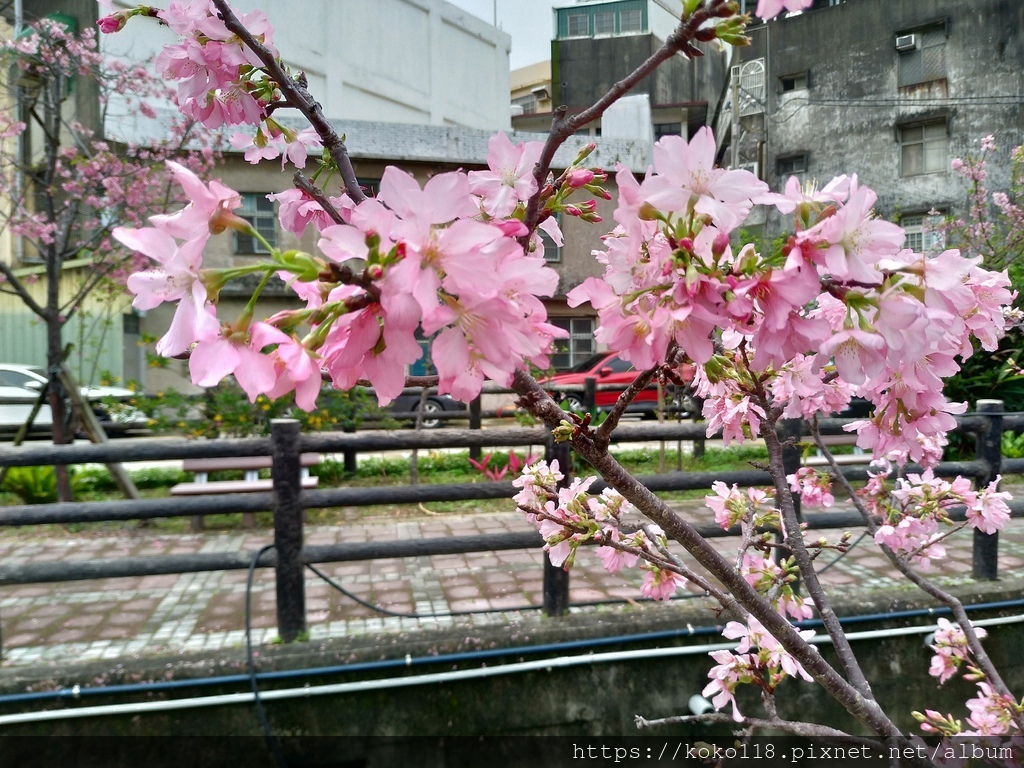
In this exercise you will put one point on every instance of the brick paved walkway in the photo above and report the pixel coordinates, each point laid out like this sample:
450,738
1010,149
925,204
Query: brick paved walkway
113,618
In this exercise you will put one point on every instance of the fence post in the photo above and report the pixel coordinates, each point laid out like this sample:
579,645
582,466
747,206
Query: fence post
556,580
590,395
475,451
349,455
287,478
988,447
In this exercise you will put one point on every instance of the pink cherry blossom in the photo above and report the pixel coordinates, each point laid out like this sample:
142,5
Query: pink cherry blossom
769,9
510,179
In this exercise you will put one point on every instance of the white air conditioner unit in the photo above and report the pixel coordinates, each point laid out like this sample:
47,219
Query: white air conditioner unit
754,168
906,42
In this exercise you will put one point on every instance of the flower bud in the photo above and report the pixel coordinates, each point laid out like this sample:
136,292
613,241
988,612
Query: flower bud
720,243
563,432
584,153
579,177
375,271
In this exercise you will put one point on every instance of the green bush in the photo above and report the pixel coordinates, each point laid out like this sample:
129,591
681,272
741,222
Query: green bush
225,410
33,485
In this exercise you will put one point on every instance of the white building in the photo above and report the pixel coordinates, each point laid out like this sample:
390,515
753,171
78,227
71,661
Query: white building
424,62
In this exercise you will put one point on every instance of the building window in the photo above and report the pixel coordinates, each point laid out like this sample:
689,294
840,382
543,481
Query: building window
258,211
526,103
921,234
631,21
922,56
578,24
924,148
794,82
578,347
370,186
604,23
791,164
667,129
552,252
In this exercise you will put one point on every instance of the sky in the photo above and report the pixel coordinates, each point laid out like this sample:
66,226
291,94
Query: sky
529,22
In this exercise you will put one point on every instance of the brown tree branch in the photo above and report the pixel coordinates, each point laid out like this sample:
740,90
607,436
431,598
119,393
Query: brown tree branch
925,585
742,595
299,97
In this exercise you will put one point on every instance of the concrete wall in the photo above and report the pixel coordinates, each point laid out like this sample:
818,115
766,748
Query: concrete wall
410,61
592,700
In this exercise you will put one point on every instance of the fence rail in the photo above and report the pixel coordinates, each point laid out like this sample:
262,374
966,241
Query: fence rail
287,500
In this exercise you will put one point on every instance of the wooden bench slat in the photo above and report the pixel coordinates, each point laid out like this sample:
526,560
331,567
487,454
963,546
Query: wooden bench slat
233,486
242,462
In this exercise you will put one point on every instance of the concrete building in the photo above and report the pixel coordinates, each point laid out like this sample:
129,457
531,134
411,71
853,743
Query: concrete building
398,61
598,42
892,91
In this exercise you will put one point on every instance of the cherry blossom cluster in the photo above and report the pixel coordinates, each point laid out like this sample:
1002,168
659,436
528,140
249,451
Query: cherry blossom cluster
914,511
844,310
92,181
219,79
814,487
753,510
430,261
758,660
570,516
951,649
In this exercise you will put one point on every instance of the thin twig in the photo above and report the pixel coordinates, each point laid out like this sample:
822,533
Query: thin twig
317,194
298,97
928,587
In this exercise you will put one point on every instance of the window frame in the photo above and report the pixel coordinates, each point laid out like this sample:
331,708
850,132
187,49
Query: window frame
918,224
936,35
794,158
566,347
257,216
569,18
638,29
605,16
905,142
796,78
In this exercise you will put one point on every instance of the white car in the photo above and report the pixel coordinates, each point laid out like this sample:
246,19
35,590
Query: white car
20,386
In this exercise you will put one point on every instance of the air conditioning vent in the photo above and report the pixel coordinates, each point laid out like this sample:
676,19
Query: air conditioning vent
754,168
906,42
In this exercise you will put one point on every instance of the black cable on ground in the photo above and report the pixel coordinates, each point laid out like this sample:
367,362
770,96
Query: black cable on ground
268,734
414,615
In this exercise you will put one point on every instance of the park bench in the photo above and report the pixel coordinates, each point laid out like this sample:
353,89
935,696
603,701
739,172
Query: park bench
251,482
857,457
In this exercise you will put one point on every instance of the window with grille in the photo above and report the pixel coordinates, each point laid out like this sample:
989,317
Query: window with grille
791,164
578,25
667,129
631,21
578,347
258,211
528,103
926,60
604,23
552,252
921,234
924,148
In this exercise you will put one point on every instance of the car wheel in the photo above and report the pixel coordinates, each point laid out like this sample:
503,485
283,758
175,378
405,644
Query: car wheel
574,403
431,407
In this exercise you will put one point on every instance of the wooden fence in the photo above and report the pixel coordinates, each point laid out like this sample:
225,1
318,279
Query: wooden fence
287,500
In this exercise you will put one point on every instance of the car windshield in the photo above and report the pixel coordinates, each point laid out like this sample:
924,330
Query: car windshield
587,364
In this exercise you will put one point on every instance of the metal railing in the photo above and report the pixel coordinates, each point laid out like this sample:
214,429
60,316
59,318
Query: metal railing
287,501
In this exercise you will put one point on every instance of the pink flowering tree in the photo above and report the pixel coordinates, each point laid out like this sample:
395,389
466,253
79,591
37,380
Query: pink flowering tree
993,228
65,187
844,310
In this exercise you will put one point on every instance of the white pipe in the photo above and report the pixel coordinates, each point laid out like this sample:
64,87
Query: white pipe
560,662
